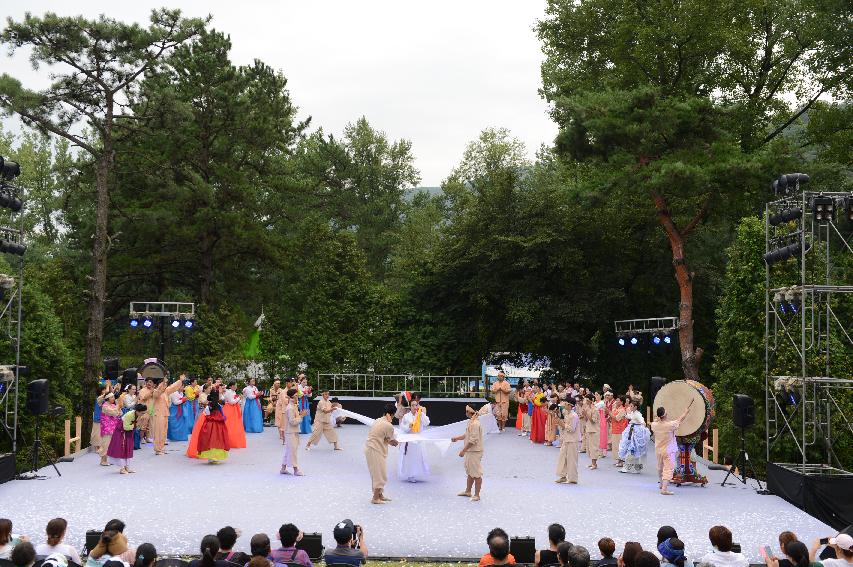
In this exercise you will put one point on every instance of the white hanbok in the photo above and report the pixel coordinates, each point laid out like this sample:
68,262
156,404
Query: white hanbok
413,466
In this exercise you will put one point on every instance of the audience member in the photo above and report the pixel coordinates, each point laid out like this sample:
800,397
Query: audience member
110,547
646,559
351,548
227,537
499,551
784,539
209,548
843,546
666,532
487,559
723,556
260,547
672,553
146,555
798,554
556,536
55,534
629,554
23,555
289,534
578,556
55,560
258,562
563,553
607,547
8,540
116,525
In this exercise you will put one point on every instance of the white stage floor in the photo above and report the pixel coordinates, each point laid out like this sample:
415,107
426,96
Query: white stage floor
174,501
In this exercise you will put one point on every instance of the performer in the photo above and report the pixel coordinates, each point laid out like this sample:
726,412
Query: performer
618,422
280,406
272,400
95,436
212,438
501,390
413,466
570,433
191,408
120,450
253,416
110,421
601,406
323,423
521,409
634,441
177,421
401,405
666,448
304,404
337,414
537,422
472,452
551,422
129,400
381,435
590,417
145,422
233,417
161,412
527,418
292,419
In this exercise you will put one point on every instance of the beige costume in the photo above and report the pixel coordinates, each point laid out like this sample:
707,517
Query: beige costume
376,451
291,420
144,419
589,416
474,452
161,411
666,448
280,405
570,435
501,390
323,424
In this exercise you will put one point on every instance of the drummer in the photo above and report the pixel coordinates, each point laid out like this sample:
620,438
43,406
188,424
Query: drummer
666,448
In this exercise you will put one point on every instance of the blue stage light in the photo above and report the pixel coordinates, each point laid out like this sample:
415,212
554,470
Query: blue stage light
621,341
667,339
656,339
634,340
147,322
188,324
134,323
175,323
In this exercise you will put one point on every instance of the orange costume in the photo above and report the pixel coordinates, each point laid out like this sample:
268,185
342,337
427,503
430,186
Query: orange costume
501,390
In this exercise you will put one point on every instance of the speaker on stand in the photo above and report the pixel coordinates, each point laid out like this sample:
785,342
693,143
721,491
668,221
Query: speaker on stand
743,416
38,405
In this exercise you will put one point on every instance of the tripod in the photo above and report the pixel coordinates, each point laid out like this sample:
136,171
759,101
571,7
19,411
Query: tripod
741,463
37,449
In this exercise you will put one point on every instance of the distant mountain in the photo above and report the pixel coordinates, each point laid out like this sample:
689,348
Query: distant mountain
431,191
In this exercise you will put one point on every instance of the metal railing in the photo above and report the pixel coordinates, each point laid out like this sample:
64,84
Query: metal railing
389,384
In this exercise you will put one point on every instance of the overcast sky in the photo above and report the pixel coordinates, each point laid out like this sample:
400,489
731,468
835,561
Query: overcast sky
435,72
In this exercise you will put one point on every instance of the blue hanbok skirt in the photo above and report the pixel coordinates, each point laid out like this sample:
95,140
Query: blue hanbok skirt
177,424
190,409
305,404
253,416
634,442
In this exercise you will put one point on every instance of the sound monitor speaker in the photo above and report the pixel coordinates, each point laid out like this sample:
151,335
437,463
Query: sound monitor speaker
523,549
743,411
92,539
312,544
658,382
7,467
37,399
111,369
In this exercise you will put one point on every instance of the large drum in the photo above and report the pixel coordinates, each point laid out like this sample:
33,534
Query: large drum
676,396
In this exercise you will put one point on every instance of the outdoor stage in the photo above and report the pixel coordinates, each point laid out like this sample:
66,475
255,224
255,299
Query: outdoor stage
173,501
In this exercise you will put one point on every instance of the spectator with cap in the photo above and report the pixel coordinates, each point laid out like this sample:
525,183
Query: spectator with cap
289,534
488,559
843,546
556,536
723,556
672,553
351,548
227,537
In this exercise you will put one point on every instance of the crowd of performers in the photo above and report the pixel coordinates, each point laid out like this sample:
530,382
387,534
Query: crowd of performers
215,418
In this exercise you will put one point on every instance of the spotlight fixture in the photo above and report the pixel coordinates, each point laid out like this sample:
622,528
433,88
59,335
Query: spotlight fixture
656,339
175,322
189,321
10,246
786,215
621,341
134,320
823,208
667,339
847,205
789,183
9,169
634,340
147,322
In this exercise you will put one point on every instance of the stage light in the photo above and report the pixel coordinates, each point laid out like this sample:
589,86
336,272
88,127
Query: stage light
794,300
621,341
823,208
848,208
789,183
134,323
667,339
634,340
175,322
12,247
9,169
189,321
656,339
8,200
147,322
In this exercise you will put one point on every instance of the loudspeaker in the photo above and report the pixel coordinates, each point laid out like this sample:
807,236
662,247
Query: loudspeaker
128,377
658,382
743,411
523,549
37,397
312,544
7,467
111,369
92,539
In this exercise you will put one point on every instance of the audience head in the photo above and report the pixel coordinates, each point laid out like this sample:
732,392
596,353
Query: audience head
672,550
258,562
499,547
5,531
563,552
288,534
630,552
843,543
23,555
111,543
666,532
646,559
607,547
209,549
146,555
344,532
260,545
784,538
115,525
494,532
721,538
227,537
556,534
798,552
578,556
56,530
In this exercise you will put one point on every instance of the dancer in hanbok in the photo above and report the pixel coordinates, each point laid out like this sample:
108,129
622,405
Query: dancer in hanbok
537,426
601,406
323,424
635,440
110,421
213,434
253,415
590,418
177,421
191,408
618,423
521,409
120,450
292,417
381,435
551,422
233,417
472,452
161,398
304,404
128,401
413,466
143,422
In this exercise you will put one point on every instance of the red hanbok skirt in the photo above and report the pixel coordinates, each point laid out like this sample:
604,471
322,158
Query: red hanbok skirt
234,425
537,424
213,433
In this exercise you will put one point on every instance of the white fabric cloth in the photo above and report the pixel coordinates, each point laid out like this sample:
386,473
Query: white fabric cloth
64,549
725,559
175,398
413,466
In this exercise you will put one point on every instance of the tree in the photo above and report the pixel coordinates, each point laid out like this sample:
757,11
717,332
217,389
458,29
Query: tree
103,61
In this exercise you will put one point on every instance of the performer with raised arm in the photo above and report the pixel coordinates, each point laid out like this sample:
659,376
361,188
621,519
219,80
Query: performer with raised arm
191,409
381,435
110,423
253,415
413,466
570,434
472,452
666,447
501,390
323,423
233,417
292,418
160,398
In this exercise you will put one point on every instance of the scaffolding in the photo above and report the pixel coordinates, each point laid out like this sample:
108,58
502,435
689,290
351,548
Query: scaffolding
808,307
10,323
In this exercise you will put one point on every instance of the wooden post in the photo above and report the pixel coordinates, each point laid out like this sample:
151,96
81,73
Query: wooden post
713,447
77,439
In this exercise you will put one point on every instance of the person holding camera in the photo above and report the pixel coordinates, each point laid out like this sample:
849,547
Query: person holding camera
351,548
381,435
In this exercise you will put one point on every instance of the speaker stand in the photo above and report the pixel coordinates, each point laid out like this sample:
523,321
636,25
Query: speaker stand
743,464
38,449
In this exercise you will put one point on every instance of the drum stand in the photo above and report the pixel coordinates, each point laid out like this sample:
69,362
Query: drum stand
741,463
